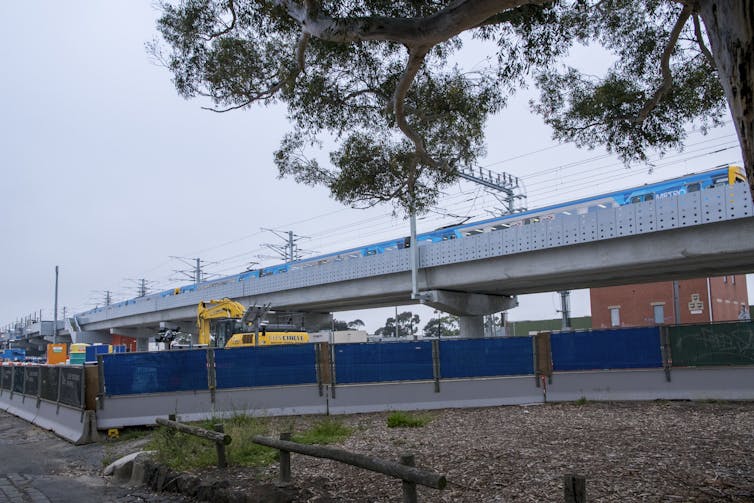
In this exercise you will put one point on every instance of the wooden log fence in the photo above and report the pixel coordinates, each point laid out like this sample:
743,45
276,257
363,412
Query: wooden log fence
405,470
218,436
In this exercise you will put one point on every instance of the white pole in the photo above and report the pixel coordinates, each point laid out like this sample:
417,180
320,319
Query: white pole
414,259
55,315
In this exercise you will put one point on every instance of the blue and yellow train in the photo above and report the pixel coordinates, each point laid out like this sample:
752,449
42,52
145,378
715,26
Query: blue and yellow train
694,182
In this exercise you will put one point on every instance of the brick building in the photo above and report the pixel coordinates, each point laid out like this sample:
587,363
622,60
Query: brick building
698,300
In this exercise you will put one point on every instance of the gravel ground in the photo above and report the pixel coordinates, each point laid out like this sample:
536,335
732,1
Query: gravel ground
652,451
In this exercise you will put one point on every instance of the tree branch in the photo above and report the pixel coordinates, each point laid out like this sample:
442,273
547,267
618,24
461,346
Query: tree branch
700,40
261,95
667,76
228,28
431,30
415,60
303,41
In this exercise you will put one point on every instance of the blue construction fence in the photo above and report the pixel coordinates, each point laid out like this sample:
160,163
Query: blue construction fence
202,369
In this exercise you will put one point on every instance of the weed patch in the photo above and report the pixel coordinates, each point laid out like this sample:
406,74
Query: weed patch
181,451
400,419
326,431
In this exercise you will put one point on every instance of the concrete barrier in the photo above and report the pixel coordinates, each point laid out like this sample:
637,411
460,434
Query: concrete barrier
131,410
418,395
76,425
698,383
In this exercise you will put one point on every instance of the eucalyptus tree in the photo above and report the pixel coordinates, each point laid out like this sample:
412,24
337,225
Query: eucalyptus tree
381,80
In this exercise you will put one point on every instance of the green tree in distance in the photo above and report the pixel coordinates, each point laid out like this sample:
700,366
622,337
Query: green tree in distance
442,326
407,325
379,78
348,325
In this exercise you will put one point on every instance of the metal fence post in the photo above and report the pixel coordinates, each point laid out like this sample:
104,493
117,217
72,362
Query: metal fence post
333,375
667,357
211,375
60,387
101,381
23,386
436,363
39,386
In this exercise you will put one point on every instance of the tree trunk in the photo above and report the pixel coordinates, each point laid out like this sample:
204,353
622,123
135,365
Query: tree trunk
730,28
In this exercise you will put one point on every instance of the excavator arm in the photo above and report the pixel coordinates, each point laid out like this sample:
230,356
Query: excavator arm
214,310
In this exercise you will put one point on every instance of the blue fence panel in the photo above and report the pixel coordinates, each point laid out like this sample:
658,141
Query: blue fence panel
155,372
379,362
265,366
94,350
486,357
607,349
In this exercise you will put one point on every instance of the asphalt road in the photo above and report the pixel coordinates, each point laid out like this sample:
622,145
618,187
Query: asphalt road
38,467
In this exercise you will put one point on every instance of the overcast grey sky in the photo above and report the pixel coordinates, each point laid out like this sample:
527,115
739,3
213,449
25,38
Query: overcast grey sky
108,173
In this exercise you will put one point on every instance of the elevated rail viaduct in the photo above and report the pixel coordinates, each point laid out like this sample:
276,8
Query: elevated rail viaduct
699,234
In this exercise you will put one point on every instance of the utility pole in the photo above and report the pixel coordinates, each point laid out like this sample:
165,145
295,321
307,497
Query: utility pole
504,183
564,310
55,314
142,287
677,303
289,252
508,185
291,244
196,272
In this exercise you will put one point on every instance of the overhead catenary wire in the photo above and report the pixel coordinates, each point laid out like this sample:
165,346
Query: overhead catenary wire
463,203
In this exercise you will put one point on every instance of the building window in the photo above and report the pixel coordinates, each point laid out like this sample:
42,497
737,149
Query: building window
732,280
614,316
659,313
725,280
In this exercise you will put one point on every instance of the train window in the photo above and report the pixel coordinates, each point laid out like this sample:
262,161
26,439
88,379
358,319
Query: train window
370,251
635,199
693,187
649,197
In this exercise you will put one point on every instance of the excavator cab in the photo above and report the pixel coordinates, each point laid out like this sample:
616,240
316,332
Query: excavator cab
223,330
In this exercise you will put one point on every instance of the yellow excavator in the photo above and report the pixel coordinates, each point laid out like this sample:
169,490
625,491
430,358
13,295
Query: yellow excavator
226,323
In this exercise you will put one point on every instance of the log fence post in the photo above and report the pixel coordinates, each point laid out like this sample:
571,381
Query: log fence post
218,436
222,461
575,488
285,462
409,488
404,470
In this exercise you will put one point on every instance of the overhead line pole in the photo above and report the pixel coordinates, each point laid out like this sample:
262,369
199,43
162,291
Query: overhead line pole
55,314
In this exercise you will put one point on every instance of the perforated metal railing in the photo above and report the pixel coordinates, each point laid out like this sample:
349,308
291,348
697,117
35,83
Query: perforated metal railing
697,208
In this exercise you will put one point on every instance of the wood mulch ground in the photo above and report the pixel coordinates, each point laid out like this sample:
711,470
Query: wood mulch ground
628,451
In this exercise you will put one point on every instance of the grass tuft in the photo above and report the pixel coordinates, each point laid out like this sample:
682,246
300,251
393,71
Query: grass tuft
326,431
400,419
